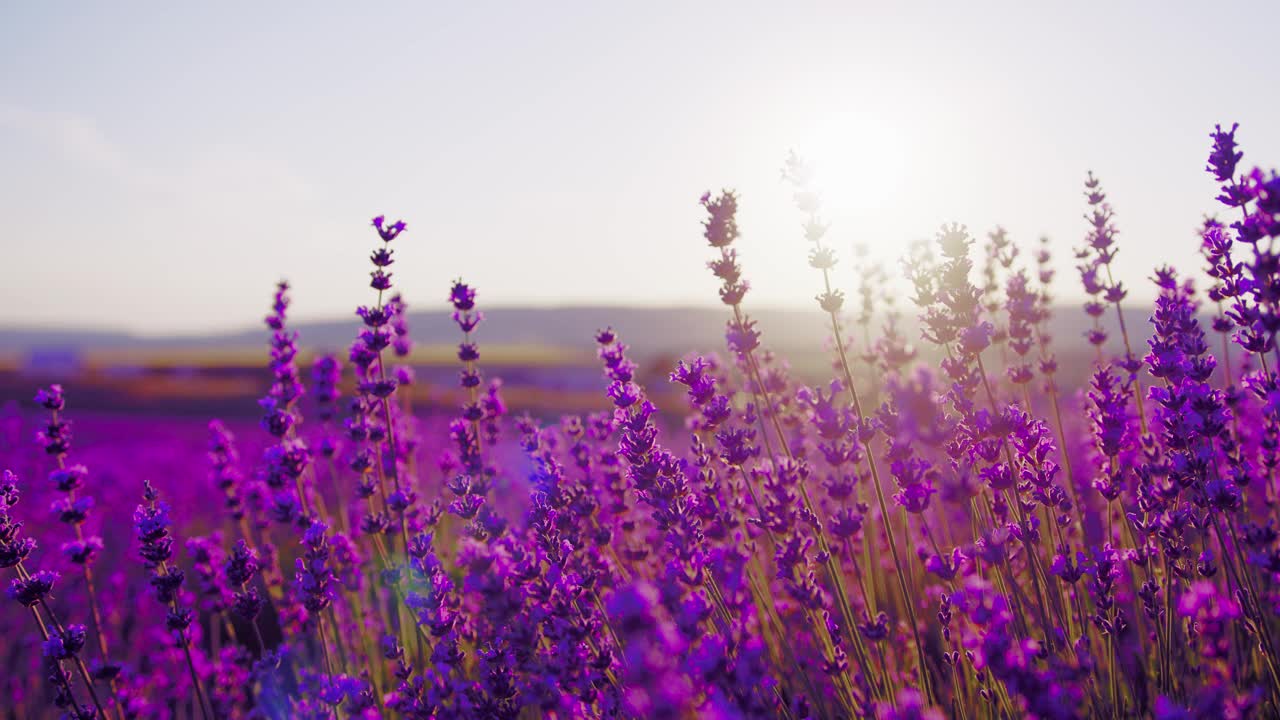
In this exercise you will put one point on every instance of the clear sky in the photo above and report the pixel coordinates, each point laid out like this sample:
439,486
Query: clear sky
162,166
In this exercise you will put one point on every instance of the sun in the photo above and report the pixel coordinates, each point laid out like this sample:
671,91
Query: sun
858,160
857,163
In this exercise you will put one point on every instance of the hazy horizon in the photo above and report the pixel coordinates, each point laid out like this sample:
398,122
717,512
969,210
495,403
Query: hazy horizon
164,168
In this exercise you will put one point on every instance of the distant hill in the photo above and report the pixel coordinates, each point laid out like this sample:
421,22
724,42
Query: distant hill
545,356
646,330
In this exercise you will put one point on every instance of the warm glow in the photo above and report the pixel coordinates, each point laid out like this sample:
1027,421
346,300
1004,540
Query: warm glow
859,162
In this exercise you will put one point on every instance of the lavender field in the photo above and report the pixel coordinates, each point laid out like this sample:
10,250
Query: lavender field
823,360
938,519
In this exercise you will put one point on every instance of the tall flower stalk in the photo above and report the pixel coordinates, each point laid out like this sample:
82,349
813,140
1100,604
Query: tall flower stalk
720,230
151,522
74,510
831,301
376,384
1098,253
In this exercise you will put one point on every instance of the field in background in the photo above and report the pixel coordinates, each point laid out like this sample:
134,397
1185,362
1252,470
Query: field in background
545,358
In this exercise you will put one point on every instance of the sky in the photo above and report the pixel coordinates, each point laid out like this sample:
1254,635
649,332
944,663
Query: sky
162,166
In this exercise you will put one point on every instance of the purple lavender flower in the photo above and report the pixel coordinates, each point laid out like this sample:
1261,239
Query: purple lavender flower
313,576
32,589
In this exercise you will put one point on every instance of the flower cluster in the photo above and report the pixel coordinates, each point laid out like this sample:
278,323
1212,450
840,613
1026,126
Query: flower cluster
986,525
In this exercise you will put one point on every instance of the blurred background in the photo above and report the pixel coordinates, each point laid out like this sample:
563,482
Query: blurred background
164,167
